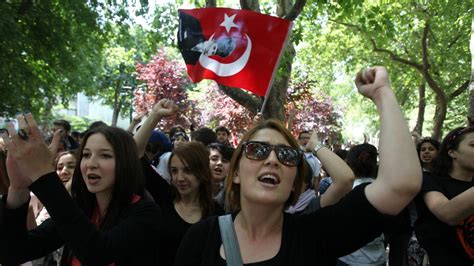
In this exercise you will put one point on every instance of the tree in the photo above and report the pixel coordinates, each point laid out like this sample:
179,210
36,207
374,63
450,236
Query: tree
164,78
470,115
50,50
117,80
422,44
314,109
218,109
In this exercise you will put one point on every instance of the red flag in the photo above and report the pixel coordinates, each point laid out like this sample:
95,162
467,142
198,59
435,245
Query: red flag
237,48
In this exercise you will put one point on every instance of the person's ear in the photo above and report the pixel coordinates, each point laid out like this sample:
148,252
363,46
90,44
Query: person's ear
236,178
452,154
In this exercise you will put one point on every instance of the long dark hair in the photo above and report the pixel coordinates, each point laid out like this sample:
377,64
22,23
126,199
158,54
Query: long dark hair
443,163
362,159
4,180
195,155
129,178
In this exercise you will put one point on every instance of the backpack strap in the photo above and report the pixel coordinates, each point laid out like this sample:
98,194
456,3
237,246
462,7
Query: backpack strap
229,240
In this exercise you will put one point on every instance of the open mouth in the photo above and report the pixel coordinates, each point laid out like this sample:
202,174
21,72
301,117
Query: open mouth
269,179
93,177
218,171
64,179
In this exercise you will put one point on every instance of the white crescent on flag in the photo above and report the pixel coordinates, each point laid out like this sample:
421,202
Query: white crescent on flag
227,69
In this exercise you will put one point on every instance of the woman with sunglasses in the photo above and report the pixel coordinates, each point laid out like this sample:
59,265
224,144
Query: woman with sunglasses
265,174
445,203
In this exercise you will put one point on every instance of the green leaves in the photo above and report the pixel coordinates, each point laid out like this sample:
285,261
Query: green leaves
352,36
48,48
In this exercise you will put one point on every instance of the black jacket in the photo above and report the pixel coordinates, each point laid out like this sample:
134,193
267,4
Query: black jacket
132,241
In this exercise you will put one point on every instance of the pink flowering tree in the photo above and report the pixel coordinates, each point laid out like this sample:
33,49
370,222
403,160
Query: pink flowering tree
164,78
313,110
221,110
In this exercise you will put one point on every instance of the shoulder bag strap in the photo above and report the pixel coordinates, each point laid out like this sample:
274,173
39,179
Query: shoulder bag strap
229,240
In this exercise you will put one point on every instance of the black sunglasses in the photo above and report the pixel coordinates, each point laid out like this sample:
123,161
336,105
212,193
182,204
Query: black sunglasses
256,150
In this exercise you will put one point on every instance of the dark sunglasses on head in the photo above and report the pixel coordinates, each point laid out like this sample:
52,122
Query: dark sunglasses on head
256,150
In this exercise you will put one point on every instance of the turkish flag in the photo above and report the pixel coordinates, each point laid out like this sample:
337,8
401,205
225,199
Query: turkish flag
237,48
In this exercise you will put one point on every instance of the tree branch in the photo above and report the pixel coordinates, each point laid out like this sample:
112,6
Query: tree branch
394,56
250,5
244,4
454,41
347,25
459,90
424,48
426,66
296,10
248,101
210,3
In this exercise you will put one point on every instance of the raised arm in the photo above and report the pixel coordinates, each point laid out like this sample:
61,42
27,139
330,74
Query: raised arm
399,176
257,119
29,164
450,211
20,177
135,121
340,172
161,109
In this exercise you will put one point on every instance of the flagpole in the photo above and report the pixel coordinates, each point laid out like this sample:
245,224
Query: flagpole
270,85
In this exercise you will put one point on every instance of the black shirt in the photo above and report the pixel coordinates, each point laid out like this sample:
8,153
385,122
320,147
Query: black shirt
443,242
318,238
174,227
129,242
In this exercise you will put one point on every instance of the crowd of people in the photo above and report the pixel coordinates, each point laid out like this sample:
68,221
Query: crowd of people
145,197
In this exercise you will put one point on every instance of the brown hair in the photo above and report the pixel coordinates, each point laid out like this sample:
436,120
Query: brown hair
196,156
4,181
61,154
232,190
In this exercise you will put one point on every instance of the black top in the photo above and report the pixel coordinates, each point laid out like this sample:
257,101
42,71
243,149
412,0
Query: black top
129,242
444,243
318,238
174,227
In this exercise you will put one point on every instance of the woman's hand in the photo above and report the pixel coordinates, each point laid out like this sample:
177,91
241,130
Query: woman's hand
372,81
164,108
313,141
257,119
28,156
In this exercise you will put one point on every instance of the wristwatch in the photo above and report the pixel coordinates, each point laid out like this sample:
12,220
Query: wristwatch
318,147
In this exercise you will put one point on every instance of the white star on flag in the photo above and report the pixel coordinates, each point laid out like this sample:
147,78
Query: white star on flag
228,22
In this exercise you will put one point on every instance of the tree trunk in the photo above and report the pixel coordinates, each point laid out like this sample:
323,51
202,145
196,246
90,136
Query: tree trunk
470,110
421,108
440,115
470,114
117,103
275,107
276,100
